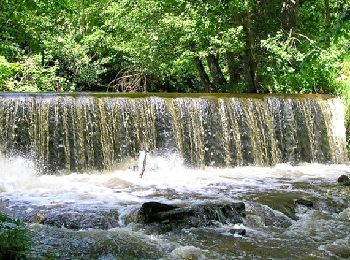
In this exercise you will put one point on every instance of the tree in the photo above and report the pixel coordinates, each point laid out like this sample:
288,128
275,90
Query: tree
289,15
176,45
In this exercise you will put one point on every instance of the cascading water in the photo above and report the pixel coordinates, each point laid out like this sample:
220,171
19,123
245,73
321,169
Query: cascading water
206,153
88,132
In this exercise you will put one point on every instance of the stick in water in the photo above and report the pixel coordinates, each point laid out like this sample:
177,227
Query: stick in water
143,162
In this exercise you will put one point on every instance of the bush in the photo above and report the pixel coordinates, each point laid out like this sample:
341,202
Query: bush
76,64
29,75
297,64
14,240
8,70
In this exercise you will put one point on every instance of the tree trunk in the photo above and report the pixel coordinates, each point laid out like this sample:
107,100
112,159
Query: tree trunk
42,57
203,74
233,68
289,15
215,71
251,67
327,21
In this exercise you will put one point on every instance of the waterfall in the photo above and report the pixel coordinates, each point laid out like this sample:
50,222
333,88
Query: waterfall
100,132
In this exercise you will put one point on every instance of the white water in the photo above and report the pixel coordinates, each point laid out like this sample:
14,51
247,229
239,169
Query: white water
20,183
316,234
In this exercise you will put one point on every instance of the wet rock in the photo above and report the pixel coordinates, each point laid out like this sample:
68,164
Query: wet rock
344,180
239,231
304,202
70,217
188,253
331,204
81,220
150,211
171,216
286,203
301,206
50,242
258,215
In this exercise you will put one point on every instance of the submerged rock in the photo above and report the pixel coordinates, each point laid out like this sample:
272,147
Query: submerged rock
344,180
172,216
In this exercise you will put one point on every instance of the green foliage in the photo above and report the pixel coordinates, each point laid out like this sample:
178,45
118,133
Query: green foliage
7,71
297,64
14,240
344,91
28,75
163,38
90,44
75,63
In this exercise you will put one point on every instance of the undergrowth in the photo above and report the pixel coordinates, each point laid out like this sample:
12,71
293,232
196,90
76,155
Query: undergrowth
14,239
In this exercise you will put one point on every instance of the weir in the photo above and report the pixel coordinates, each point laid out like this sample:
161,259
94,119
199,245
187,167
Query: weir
86,132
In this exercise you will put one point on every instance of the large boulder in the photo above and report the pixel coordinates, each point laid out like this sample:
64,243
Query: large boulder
344,180
172,216
152,211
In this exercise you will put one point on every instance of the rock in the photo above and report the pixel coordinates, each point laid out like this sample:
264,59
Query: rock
344,180
172,217
68,217
282,202
150,211
287,202
301,206
258,215
240,231
81,220
304,202
187,253
50,242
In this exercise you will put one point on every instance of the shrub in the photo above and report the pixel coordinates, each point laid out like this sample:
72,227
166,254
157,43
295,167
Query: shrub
14,240
29,75
8,70
297,64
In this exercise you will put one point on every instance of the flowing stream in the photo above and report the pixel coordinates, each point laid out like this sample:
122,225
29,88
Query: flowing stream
70,168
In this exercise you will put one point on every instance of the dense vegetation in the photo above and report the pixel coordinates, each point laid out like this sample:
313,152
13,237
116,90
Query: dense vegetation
175,45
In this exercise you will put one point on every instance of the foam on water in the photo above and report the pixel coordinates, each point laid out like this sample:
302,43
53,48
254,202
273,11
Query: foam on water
163,177
167,180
